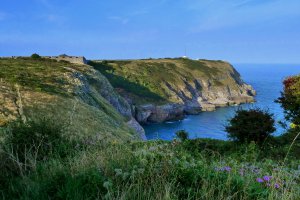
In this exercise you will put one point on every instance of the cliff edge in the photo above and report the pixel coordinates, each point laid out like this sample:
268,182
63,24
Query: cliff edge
165,89
75,94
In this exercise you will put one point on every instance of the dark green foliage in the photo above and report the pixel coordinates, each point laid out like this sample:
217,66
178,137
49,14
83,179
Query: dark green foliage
117,81
251,125
290,99
87,184
150,170
290,102
28,144
35,56
182,135
287,139
39,137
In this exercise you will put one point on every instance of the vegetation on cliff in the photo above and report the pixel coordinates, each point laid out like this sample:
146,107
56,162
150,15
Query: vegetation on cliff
69,140
167,80
189,169
74,94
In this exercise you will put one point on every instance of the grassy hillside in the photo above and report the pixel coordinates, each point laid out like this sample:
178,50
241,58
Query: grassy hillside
64,91
196,169
150,80
72,146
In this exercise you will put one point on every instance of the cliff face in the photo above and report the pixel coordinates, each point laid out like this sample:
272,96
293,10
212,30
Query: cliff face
166,89
110,99
76,94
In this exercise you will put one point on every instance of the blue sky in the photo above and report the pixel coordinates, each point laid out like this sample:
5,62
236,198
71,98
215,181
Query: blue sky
239,31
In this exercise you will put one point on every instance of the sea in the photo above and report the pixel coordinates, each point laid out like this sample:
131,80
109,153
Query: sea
266,80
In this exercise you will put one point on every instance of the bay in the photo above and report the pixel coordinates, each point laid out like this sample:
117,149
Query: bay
266,80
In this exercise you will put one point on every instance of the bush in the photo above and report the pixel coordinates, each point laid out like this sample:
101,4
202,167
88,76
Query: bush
290,99
251,125
182,135
39,137
35,56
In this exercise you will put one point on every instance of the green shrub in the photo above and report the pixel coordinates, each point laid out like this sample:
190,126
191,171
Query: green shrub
86,184
182,135
35,56
251,125
290,99
39,138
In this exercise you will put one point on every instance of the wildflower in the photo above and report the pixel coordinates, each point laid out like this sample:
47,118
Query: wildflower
228,169
267,178
259,180
276,185
293,126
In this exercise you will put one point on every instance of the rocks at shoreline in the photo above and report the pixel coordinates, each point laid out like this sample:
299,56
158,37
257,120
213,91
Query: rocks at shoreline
208,101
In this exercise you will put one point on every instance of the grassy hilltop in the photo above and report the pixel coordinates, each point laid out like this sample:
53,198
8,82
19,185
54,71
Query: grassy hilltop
67,92
158,80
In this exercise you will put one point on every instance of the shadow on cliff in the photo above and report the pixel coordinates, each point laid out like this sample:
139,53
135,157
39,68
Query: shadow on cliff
123,83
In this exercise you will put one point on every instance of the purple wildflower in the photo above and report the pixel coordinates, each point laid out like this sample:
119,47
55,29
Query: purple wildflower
276,185
260,180
228,169
267,178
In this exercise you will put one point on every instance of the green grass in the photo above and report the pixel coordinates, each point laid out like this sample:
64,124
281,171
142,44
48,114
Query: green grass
159,170
147,81
132,85
106,169
48,87
40,75
96,157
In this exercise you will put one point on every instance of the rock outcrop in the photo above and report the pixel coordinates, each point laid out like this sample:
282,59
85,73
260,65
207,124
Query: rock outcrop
202,100
112,98
167,89
91,84
76,95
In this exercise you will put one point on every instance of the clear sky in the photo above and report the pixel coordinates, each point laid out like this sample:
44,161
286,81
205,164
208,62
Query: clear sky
244,31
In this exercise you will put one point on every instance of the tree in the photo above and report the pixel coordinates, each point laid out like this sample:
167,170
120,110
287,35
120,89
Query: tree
35,56
251,125
290,99
290,102
182,135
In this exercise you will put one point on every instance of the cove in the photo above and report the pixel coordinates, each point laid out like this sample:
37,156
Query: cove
266,80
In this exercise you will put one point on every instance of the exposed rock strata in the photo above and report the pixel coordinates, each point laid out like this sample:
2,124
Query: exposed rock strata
199,96
94,83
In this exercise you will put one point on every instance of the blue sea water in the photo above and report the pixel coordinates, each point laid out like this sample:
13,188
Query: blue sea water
266,80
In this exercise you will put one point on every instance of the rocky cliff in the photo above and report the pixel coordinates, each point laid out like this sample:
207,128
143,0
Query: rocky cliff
75,94
167,89
109,99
